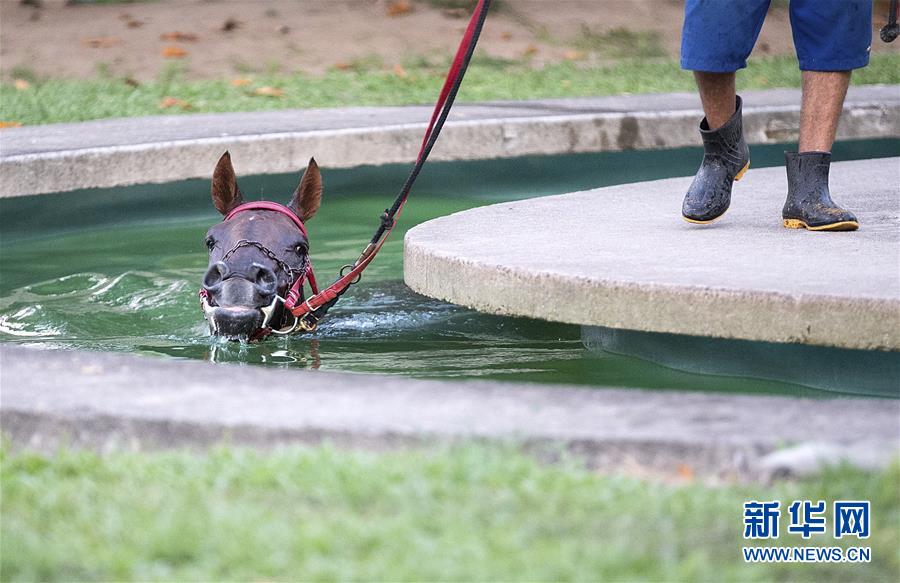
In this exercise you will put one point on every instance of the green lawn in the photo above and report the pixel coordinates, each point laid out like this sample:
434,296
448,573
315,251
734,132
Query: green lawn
365,83
471,512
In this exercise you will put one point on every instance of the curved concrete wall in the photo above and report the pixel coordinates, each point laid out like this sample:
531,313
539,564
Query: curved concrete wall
622,257
108,153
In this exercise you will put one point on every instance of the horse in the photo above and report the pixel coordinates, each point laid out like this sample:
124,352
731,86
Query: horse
258,255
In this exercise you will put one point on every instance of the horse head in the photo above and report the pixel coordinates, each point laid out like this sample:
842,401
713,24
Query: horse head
255,255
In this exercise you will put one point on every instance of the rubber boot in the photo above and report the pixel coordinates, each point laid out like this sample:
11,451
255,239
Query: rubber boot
725,159
809,203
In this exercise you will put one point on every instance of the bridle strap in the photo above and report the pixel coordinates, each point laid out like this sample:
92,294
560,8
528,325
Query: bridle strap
267,205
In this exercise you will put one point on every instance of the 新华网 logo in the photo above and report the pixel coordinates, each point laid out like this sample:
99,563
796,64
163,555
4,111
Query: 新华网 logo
849,518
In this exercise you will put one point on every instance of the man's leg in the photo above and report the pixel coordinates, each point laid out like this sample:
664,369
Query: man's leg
716,40
717,95
831,38
823,100
809,204
725,153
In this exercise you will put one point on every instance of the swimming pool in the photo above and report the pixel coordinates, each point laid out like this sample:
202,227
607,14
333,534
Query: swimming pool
118,270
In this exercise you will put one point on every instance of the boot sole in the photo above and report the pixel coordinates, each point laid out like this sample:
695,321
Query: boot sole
737,177
839,226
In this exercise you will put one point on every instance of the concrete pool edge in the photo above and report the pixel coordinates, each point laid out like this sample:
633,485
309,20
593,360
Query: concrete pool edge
621,257
105,401
119,152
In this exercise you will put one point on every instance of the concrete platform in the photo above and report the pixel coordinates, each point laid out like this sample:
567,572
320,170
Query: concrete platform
622,257
147,150
53,399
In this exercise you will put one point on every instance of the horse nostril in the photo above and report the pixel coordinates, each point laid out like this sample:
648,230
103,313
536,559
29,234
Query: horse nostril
265,279
214,276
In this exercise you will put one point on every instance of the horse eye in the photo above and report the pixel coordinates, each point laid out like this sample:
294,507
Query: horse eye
210,243
300,249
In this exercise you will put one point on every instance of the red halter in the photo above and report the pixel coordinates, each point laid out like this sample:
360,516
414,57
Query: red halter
293,295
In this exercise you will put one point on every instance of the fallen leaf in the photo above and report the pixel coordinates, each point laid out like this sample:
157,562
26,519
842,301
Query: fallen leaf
168,102
531,50
131,21
269,91
241,82
10,124
283,29
399,8
21,84
685,472
342,66
101,42
132,82
400,71
573,55
231,24
506,35
178,36
172,52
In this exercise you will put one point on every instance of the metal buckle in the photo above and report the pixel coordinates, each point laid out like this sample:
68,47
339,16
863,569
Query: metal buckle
351,266
308,326
269,311
207,314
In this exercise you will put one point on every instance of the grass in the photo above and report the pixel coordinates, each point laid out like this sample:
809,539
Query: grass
55,100
472,512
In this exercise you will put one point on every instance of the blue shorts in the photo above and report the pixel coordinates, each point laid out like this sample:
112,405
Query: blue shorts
829,35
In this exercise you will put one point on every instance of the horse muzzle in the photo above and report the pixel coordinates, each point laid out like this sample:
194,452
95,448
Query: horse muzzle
235,306
234,322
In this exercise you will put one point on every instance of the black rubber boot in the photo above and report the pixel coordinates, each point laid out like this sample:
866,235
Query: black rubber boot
809,204
726,157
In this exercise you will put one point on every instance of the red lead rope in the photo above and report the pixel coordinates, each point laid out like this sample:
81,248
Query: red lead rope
457,69
313,308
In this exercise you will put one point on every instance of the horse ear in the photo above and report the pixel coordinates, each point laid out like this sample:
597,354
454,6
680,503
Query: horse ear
225,192
308,196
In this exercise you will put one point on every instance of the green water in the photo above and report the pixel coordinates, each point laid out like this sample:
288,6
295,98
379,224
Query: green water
118,269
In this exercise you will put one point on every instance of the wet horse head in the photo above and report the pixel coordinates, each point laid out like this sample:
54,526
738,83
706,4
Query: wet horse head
255,255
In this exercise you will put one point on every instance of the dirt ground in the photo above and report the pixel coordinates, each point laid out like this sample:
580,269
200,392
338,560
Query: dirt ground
216,38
